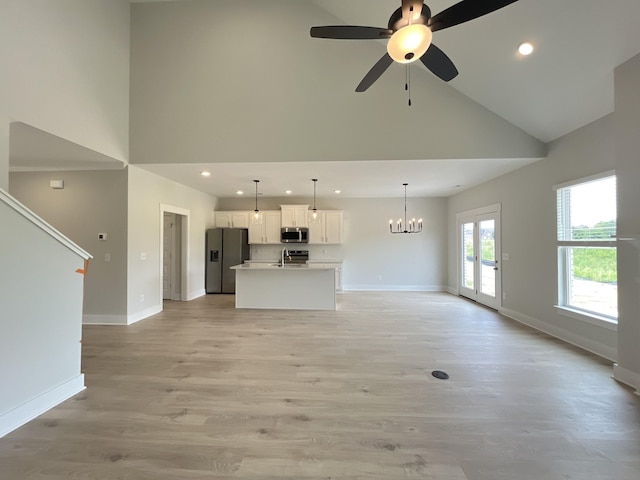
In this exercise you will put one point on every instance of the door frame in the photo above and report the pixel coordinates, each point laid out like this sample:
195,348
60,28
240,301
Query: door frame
183,235
476,215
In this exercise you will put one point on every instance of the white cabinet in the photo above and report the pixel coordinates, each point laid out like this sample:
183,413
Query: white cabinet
327,228
295,215
232,219
266,229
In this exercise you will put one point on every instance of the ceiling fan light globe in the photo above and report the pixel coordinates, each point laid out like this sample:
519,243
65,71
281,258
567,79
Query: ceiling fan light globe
409,43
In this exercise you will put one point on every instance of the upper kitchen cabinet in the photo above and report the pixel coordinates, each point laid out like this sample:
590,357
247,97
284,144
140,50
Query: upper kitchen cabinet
327,228
265,229
295,215
232,219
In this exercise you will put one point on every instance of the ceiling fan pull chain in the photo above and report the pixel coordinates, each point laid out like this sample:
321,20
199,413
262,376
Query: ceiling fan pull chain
409,81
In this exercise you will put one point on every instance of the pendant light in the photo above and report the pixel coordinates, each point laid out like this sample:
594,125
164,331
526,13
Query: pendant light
412,226
314,215
256,214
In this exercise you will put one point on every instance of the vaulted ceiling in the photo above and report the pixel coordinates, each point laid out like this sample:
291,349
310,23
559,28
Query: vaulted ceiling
504,99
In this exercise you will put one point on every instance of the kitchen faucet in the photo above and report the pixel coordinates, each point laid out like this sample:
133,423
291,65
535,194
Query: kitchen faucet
282,255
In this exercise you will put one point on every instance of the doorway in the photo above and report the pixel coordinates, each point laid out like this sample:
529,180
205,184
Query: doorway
171,257
174,253
479,276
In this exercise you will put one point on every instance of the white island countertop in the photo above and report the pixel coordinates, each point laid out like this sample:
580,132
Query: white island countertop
289,267
309,286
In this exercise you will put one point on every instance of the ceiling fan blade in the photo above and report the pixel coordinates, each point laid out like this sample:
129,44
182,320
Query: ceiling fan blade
406,9
439,64
350,32
464,11
373,75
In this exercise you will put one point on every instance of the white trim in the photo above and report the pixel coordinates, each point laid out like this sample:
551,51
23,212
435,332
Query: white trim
104,320
598,348
196,294
626,376
590,178
18,416
493,208
592,318
394,288
146,313
40,223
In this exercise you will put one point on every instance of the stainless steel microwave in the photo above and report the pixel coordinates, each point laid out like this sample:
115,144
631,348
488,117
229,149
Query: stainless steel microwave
294,235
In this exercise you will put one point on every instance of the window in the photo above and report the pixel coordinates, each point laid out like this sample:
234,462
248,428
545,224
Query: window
587,272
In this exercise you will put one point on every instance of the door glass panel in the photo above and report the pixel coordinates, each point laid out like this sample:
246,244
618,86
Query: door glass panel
487,258
468,255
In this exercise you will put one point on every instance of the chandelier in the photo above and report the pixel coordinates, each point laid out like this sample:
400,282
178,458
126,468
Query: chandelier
412,226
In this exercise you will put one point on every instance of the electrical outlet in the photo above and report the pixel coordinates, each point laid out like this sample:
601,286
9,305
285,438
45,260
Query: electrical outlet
141,298
107,257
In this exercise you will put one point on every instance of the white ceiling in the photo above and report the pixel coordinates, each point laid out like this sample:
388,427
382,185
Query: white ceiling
565,84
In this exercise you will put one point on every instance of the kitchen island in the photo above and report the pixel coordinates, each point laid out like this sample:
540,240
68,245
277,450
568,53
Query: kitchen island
294,287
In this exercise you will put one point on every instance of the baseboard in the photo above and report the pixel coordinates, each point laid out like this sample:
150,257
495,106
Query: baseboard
587,344
104,320
16,417
394,288
142,314
628,377
198,293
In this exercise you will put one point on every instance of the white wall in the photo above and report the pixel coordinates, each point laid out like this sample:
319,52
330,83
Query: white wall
373,258
627,116
147,193
4,95
41,299
69,70
202,92
91,202
529,277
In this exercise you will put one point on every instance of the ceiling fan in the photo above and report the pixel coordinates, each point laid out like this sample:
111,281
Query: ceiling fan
410,32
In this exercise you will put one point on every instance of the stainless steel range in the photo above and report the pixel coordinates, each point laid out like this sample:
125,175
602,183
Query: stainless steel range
296,257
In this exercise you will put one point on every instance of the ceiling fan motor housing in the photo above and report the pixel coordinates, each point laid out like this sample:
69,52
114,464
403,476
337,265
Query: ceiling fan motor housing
396,22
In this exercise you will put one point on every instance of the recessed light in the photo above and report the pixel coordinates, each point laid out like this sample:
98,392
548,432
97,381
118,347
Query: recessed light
337,191
288,192
525,48
204,173
240,192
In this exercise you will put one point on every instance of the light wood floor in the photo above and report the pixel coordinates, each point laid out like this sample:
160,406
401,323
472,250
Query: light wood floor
204,391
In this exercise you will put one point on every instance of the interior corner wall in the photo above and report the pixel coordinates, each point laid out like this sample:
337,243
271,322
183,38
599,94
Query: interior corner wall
4,154
91,202
528,232
147,192
4,96
68,70
627,116
374,259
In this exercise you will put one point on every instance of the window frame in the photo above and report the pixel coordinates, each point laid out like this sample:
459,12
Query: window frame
563,257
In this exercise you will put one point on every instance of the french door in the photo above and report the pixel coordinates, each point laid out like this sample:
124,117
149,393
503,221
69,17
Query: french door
478,256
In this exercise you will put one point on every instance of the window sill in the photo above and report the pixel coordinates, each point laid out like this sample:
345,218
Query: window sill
592,318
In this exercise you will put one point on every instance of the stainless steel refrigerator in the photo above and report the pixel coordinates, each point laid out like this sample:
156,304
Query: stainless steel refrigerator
225,247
